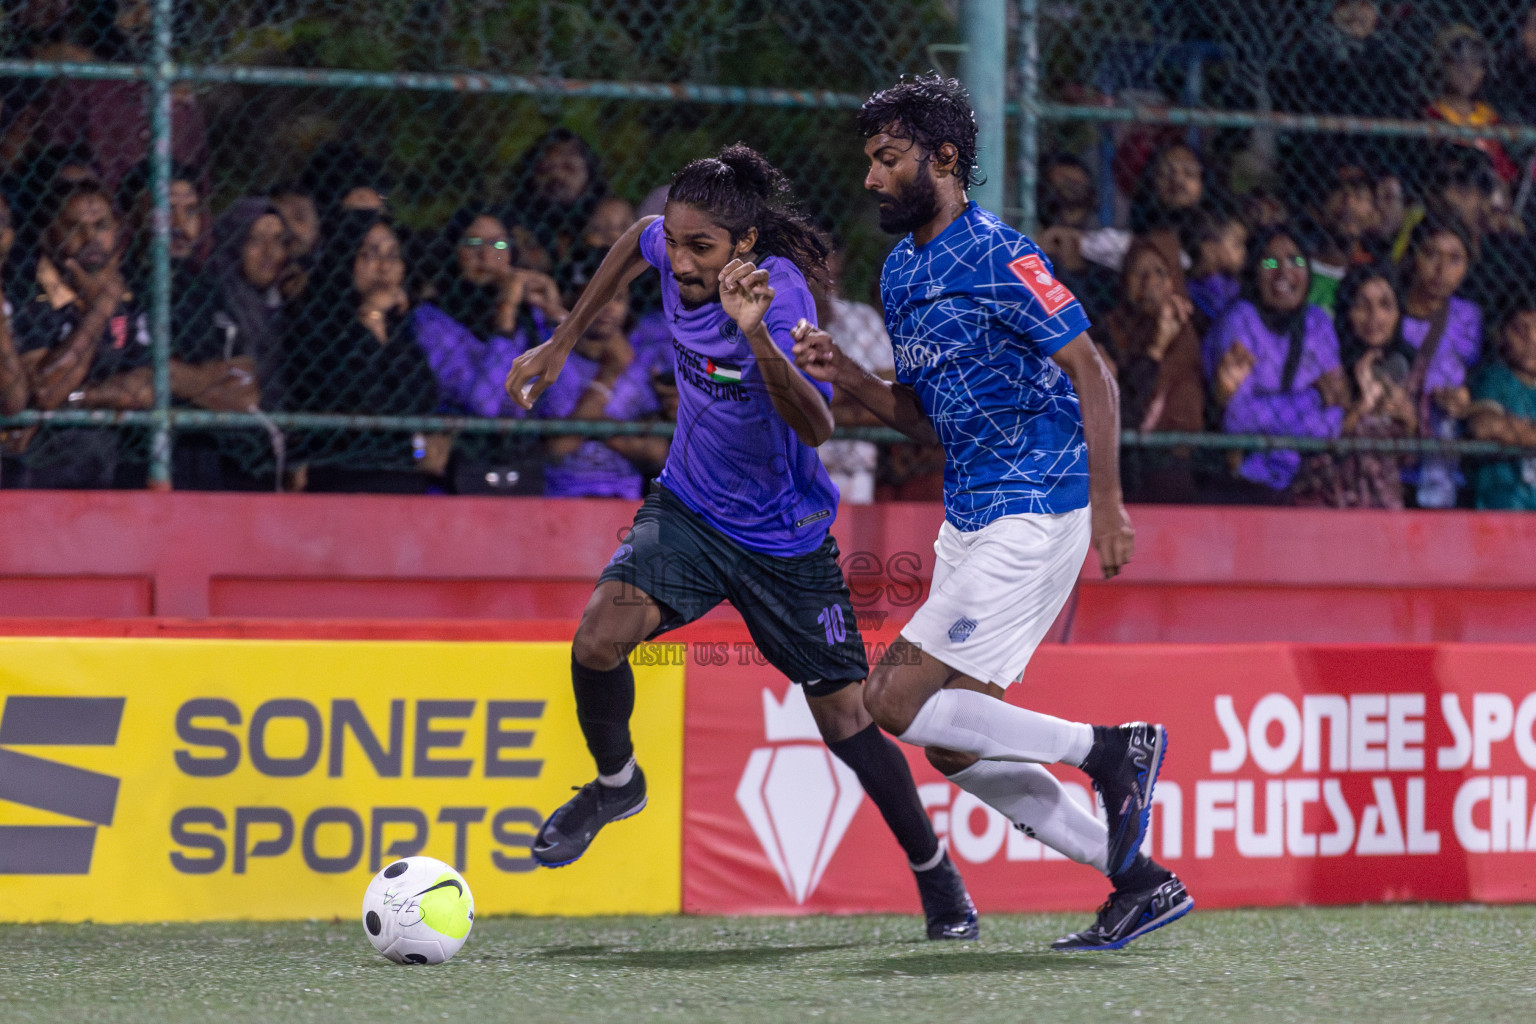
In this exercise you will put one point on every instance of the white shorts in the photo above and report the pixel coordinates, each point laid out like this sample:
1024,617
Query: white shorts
997,590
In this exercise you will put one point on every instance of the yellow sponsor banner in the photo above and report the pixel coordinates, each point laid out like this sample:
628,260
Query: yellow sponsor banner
192,780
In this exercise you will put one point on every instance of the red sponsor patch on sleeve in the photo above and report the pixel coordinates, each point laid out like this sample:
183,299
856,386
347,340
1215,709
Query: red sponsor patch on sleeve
1053,295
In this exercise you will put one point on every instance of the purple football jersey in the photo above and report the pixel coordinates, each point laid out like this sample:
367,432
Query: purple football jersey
734,460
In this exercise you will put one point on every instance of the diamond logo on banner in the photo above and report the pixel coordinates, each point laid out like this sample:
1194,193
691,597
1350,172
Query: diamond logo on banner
798,798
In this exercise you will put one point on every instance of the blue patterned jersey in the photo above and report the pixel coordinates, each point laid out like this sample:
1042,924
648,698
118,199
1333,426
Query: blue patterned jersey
975,316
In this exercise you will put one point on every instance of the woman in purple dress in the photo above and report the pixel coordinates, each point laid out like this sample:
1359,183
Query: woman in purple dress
1445,332
603,380
482,312
1273,363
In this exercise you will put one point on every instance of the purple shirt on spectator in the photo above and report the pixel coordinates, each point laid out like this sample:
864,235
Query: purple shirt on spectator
1215,294
471,374
1259,406
595,470
1459,349
650,336
1460,345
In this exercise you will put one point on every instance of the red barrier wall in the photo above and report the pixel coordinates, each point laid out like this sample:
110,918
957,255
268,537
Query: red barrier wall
1200,574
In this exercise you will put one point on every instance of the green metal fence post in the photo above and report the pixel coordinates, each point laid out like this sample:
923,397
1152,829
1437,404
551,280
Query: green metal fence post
1029,111
984,70
161,73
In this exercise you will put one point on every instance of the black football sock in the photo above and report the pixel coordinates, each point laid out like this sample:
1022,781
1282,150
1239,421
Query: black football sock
884,774
1103,747
1144,873
604,703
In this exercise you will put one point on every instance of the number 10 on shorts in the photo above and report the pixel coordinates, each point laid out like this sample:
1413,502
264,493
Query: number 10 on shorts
831,619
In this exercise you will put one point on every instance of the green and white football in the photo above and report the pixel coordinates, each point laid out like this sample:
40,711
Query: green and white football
418,911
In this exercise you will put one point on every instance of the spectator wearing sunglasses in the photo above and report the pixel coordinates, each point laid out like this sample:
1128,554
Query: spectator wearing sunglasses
481,312
1273,363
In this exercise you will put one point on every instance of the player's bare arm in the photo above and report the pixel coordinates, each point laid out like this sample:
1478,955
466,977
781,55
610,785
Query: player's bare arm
746,295
892,403
1099,398
540,366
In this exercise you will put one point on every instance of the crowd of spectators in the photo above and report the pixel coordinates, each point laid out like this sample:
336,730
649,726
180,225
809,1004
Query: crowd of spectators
1364,290
1360,287
312,298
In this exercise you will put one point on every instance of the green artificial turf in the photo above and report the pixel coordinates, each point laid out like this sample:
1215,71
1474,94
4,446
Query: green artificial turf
1377,964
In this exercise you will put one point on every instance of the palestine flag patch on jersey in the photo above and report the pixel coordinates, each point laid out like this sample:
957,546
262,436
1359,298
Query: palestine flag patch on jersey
720,373
718,380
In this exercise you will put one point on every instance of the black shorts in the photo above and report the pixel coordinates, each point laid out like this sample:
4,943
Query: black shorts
797,609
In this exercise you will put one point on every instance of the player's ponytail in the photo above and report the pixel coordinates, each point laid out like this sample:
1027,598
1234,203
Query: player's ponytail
753,172
740,190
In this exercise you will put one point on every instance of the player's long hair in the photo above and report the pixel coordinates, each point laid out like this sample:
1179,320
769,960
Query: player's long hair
741,190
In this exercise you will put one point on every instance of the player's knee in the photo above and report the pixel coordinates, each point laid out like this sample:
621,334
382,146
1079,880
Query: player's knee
595,647
609,630
883,700
949,761
589,652
840,714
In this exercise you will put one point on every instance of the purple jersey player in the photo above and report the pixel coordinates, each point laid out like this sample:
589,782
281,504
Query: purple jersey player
735,461
741,510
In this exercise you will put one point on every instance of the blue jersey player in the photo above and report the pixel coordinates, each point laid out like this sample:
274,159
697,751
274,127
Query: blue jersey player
993,363
742,507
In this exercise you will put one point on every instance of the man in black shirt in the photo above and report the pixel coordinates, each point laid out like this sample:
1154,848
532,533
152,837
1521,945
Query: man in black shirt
84,342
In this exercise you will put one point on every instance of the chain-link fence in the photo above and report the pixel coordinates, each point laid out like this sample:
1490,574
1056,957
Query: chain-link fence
298,243
1338,194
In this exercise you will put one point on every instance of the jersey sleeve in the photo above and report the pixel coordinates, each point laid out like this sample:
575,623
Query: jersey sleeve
653,244
1019,288
792,302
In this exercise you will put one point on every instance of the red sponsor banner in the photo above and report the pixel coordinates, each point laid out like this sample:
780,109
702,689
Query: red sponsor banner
1295,774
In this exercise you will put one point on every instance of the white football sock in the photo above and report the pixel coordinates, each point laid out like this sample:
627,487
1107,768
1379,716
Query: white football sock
985,727
1028,795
